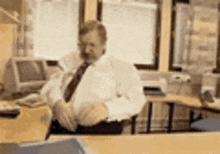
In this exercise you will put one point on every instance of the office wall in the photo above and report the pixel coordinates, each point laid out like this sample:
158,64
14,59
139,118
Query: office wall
166,11
7,38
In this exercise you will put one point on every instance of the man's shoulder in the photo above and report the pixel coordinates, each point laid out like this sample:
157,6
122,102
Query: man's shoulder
117,62
71,55
69,60
123,68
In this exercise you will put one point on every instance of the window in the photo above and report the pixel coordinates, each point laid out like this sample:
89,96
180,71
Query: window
195,43
56,28
180,26
132,30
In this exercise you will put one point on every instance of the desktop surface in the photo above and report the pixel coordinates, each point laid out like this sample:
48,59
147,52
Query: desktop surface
30,125
8,96
181,143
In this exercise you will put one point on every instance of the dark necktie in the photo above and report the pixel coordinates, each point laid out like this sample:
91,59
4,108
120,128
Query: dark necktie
75,81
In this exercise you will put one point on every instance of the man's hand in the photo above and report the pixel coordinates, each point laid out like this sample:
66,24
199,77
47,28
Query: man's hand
31,98
92,114
64,113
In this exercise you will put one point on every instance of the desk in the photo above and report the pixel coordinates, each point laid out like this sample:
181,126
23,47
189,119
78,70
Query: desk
183,100
31,124
190,143
178,99
185,143
213,107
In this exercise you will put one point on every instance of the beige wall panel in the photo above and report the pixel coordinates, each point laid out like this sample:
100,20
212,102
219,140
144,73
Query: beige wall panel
90,10
165,35
6,45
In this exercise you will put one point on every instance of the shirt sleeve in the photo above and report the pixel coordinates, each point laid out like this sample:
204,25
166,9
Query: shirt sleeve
51,92
130,98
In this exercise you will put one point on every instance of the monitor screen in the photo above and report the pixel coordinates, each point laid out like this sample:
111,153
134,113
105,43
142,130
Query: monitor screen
30,71
25,75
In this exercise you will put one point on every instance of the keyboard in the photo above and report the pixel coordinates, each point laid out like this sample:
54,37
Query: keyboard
8,111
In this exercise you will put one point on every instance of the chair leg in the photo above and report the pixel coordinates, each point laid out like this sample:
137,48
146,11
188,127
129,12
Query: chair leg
191,117
171,111
133,124
149,117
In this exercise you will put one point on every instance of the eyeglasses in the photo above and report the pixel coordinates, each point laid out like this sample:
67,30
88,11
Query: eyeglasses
83,45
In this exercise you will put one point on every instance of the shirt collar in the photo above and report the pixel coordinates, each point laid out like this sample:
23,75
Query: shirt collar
101,60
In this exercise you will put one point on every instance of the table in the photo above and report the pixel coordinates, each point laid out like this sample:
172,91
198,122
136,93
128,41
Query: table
25,127
213,107
182,143
30,125
33,124
190,143
184,100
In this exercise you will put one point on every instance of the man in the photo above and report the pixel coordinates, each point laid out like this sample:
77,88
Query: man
108,92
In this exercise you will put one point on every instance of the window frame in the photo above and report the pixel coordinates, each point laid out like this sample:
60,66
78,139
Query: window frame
154,66
172,39
173,31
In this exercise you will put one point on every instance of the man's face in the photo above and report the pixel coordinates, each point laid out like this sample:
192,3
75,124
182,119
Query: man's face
90,46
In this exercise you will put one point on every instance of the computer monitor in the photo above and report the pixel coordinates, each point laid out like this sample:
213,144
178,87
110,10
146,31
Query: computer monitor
24,75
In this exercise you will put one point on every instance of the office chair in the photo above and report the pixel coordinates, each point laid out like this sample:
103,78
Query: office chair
62,130
206,124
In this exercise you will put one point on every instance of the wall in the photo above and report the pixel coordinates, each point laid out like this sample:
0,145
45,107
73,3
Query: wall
6,46
166,10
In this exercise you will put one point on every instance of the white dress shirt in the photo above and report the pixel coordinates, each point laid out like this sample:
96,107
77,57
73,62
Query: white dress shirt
109,80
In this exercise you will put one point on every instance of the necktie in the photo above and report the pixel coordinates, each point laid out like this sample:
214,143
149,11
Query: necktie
75,81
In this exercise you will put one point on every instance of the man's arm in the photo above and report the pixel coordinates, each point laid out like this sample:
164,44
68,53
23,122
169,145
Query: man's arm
51,91
64,114
62,111
130,98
